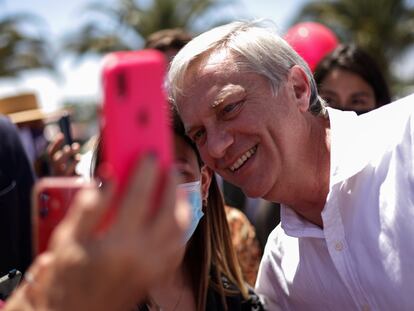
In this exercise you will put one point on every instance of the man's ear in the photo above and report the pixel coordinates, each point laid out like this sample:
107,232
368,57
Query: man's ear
301,87
206,175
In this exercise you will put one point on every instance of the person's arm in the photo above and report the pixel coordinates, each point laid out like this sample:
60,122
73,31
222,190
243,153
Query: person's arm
111,271
268,283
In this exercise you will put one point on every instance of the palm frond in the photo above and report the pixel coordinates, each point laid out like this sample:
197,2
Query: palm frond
129,17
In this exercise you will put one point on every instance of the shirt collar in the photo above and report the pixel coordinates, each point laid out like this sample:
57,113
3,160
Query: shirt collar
295,225
350,151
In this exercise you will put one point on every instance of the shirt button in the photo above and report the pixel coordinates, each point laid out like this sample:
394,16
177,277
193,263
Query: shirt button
366,308
339,246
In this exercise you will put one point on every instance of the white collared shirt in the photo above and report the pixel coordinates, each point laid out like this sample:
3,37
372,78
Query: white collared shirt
363,258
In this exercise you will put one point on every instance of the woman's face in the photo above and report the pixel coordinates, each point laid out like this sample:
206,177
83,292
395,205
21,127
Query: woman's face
186,161
345,90
187,166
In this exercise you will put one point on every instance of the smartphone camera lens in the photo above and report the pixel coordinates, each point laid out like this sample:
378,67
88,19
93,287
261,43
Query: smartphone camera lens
44,209
142,117
122,84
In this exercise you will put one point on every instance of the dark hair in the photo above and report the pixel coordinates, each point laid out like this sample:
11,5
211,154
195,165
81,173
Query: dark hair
179,130
166,39
352,58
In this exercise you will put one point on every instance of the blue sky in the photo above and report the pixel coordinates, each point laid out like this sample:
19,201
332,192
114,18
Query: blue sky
81,79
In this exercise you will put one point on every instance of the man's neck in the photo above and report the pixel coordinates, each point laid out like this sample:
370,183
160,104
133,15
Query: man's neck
311,190
311,209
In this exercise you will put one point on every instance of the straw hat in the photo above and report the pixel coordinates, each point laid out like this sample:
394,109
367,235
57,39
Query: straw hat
24,108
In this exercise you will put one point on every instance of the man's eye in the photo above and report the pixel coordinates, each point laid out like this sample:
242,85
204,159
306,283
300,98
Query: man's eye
198,136
230,108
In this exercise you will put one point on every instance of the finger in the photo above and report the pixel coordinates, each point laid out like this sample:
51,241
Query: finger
87,211
55,145
168,197
75,148
58,158
174,214
75,155
137,199
71,167
166,238
69,159
82,202
70,152
62,160
37,277
34,272
67,152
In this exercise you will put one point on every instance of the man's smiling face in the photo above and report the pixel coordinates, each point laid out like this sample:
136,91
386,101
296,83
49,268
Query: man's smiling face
244,132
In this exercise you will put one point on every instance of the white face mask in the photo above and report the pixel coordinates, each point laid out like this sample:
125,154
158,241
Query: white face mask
192,191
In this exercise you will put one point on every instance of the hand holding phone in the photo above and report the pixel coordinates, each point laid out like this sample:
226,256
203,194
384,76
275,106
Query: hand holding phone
63,153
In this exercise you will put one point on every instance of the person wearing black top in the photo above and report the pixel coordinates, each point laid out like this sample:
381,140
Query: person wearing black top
16,181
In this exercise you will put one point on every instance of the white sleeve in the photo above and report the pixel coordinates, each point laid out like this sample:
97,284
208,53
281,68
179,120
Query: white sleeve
267,283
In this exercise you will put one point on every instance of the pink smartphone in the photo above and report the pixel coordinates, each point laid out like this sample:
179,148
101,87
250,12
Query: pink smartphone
135,111
52,197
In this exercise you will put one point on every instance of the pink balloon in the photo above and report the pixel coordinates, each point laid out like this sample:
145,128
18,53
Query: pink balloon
312,41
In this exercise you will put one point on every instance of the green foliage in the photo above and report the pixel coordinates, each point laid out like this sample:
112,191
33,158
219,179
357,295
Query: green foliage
19,50
129,23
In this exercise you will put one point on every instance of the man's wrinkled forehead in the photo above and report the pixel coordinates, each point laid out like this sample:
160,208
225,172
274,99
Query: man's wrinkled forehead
204,78
203,72
210,63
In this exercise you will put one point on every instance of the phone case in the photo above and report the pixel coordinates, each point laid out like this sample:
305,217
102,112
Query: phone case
52,197
135,111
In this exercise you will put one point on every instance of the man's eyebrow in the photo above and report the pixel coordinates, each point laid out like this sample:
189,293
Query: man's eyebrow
225,92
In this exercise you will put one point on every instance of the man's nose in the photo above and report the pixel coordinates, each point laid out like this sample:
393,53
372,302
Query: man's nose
218,140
